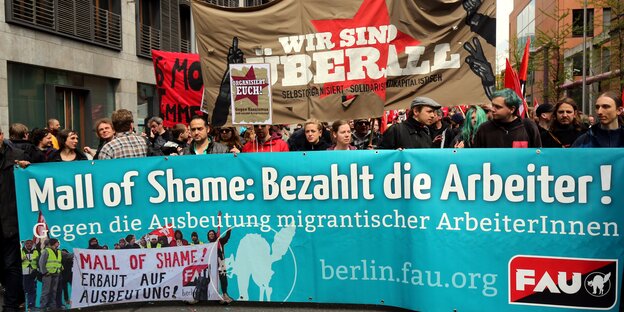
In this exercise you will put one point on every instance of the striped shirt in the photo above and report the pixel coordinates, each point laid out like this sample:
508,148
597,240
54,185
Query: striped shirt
124,145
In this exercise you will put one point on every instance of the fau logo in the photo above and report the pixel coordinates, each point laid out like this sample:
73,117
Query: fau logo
563,282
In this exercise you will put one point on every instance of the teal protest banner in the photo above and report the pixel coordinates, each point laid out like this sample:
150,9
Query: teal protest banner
428,230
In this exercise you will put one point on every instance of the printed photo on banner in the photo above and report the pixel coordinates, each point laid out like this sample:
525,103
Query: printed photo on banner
251,94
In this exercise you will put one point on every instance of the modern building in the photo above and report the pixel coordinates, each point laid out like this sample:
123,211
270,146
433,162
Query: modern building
79,60
556,32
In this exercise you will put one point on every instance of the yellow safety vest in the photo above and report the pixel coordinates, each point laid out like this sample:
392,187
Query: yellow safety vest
200,243
30,261
149,245
54,264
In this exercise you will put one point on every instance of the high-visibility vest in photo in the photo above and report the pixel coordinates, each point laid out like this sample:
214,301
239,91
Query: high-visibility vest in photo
54,264
29,261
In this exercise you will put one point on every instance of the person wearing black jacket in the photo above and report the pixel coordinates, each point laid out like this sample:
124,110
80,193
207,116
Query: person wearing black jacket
507,129
312,137
565,127
10,256
18,134
414,132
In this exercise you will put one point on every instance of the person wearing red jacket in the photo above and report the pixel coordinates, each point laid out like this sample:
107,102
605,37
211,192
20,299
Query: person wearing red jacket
265,141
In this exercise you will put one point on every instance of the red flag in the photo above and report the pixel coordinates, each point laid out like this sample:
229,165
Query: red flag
165,231
41,231
384,122
512,82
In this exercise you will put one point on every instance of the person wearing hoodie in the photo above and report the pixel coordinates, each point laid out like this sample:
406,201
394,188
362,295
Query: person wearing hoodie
507,129
265,141
608,132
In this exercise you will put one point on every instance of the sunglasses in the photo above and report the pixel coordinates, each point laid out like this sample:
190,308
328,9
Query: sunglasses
225,130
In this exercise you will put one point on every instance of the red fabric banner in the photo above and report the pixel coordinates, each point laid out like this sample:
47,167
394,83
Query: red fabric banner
180,85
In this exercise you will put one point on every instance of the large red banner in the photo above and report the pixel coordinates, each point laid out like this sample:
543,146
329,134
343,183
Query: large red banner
180,85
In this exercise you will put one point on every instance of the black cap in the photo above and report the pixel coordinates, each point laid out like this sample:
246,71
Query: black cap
544,108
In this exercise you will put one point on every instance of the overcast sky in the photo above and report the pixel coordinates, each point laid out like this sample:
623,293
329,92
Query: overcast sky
503,8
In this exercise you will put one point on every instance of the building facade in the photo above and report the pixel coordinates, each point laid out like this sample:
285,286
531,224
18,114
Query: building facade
79,60
556,32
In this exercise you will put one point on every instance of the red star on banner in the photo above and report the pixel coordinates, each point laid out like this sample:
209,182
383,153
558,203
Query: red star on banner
372,13
251,75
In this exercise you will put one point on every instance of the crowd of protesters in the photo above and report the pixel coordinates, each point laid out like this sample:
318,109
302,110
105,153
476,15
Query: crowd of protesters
422,125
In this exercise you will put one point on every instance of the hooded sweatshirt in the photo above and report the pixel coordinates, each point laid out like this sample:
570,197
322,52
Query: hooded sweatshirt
273,144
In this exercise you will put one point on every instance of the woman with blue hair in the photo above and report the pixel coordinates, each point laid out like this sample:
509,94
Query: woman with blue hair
464,139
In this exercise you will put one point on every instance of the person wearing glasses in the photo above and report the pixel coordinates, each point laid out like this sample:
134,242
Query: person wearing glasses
229,137
363,137
265,141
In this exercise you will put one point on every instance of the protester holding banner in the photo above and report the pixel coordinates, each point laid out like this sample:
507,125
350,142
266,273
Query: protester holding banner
507,129
341,133
105,132
414,132
266,142
68,151
11,273
565,127
131,242
609,133
202,143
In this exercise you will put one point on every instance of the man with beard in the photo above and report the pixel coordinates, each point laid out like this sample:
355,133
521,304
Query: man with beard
565,127
54,127
507,129
414,132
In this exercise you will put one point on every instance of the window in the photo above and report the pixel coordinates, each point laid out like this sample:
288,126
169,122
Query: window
577,65
92,21
185,28
606,19
577,23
